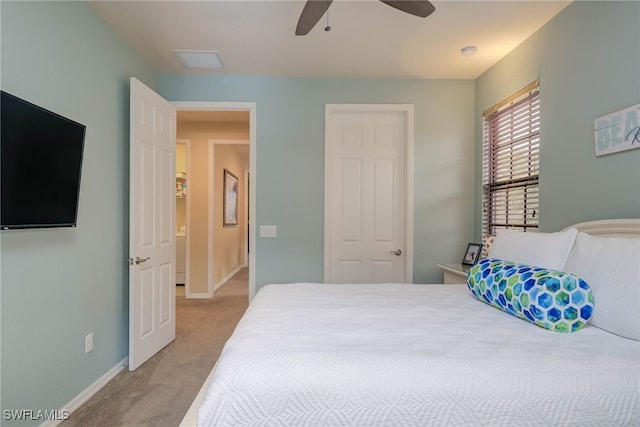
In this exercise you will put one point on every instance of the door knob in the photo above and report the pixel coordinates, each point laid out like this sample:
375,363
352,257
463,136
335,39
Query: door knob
397,252
141,260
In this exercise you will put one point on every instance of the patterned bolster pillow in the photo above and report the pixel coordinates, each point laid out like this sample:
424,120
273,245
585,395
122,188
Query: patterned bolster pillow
551,299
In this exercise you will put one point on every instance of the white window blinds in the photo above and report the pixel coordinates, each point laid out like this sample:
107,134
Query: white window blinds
510,165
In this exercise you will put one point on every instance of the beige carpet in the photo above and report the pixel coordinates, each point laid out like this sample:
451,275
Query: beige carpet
160,392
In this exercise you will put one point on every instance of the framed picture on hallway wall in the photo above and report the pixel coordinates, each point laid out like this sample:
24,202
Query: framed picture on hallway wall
230,200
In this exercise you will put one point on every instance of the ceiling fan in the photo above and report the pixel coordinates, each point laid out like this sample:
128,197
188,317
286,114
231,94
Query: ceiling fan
314,10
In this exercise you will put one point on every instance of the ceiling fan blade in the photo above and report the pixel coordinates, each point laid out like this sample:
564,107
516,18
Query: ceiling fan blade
311,14
421,8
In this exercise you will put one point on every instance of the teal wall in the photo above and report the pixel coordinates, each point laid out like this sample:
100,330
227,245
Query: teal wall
60,284
588,61
290,163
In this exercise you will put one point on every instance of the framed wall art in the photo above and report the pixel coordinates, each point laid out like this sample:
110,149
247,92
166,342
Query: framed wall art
617,131
230,199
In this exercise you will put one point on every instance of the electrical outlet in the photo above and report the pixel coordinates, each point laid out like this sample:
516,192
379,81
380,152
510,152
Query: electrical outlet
88,343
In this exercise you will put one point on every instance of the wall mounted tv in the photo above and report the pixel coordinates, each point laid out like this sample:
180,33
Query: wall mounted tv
40,166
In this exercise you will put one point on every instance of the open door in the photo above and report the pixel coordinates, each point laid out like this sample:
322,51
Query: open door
152,234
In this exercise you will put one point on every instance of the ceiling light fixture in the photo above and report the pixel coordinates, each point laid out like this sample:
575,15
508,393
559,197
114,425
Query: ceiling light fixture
200,59
468,50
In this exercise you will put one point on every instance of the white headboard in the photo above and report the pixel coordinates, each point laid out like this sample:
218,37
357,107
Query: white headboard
610,227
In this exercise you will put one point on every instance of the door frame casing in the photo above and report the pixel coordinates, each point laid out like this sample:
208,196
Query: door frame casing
187,285
408,111
251,108
247,192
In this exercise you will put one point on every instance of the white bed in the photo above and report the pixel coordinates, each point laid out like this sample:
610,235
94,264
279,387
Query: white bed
415,355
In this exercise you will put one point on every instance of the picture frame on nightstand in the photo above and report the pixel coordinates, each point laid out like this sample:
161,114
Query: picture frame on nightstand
472,254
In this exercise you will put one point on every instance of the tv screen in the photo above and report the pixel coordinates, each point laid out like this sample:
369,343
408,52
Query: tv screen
41,162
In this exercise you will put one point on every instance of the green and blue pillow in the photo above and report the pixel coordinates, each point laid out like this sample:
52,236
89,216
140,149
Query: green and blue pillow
551,299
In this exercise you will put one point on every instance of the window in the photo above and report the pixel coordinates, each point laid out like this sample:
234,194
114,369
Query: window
510,163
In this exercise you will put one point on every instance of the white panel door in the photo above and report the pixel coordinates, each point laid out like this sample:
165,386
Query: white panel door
152,245
365,199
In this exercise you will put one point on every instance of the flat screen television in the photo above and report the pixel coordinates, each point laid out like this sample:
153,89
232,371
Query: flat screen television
40,166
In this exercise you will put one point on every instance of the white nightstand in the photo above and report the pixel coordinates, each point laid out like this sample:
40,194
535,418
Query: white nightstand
454,273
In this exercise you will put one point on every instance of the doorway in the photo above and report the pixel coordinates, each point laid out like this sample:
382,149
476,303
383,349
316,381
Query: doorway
183,148
216,127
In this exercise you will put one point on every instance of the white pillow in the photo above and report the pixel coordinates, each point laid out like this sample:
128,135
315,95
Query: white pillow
611,267
546,250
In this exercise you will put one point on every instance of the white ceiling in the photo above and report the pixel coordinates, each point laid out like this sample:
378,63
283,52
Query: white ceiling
368,38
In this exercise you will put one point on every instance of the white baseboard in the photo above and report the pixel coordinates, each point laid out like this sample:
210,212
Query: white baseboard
227,277
196,295
86,394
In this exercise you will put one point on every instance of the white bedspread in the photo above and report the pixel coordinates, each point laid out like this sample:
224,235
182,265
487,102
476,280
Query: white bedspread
414,355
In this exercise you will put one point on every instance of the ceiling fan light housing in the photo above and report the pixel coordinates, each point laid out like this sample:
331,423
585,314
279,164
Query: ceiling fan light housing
314,10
